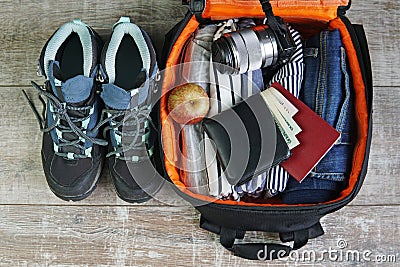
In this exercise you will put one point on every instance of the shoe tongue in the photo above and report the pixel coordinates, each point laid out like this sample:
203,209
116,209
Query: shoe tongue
118,98
75,90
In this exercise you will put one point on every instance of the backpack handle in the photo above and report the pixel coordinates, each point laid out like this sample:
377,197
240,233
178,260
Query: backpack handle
260,251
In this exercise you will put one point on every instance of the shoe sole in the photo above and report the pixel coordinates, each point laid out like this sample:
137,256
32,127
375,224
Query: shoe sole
118,189
124,198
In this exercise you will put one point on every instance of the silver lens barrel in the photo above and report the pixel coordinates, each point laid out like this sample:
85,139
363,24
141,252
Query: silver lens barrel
253,49
241,57
246,50
269,45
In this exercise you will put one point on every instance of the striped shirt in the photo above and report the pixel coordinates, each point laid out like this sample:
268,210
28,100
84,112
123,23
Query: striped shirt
228,90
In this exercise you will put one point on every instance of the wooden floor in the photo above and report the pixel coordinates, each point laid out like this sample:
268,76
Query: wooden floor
37,229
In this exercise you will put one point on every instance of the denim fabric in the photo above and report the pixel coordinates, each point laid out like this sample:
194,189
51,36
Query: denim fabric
327,90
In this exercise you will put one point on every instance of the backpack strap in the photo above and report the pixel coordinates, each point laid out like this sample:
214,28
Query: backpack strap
313,232
271,19
197,7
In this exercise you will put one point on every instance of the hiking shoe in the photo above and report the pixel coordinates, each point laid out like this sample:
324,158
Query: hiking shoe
129,68
72,156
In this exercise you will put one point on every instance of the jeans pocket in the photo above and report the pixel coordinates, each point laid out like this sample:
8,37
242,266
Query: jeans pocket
327,90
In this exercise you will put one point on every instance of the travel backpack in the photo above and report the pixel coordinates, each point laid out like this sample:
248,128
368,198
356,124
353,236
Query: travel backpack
298,222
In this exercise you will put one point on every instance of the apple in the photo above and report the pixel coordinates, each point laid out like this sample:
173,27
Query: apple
188,103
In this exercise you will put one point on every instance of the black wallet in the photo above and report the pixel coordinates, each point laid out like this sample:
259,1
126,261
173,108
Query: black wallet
247,140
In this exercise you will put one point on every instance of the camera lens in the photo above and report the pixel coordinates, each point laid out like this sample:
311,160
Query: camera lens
223,56
245,50
269,45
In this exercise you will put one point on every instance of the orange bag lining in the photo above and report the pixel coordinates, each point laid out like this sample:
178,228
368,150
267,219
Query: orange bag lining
360,107
317,9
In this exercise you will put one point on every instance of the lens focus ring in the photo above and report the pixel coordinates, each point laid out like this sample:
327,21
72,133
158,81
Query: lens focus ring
269,46
241,50
253,47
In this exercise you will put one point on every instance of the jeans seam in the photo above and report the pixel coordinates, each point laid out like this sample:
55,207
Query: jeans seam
320,77
333,177
323,75
343,112
321,87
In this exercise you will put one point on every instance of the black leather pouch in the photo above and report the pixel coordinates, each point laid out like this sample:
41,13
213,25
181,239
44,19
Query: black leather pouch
247,140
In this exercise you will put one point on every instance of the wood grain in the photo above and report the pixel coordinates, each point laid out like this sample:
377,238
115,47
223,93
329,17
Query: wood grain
380,20
384,162
27,25
168,236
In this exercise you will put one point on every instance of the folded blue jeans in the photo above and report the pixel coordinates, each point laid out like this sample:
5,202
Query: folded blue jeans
327,89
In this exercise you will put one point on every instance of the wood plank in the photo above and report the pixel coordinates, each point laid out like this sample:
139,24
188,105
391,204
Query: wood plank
380,20
26,26
383,177
22,179
169,236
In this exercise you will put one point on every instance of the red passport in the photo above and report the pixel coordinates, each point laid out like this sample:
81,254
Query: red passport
316,138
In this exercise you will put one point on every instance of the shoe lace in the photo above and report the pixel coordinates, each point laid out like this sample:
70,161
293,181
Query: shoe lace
128,125
60,111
